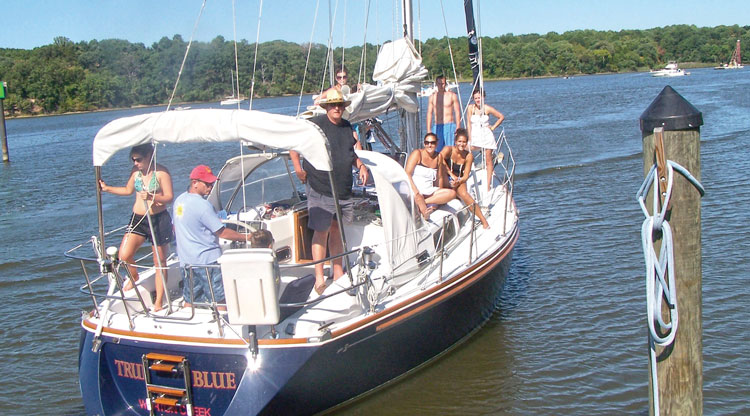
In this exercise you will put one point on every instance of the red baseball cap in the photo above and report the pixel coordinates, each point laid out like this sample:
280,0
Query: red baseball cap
203,173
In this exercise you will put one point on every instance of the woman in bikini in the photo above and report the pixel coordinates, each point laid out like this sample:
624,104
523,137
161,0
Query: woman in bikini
480,132
426,172
458,160
152,185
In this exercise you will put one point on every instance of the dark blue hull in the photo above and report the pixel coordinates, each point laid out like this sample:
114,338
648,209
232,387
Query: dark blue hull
301,378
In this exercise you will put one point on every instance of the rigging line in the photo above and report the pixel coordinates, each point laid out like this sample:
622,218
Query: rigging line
377,26
343,36
362,73
394,18
419,26
307,61
236,93
329,53
255,58
450,52
480,59
184,58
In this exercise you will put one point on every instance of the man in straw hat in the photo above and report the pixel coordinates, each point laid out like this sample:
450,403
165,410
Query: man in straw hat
320,200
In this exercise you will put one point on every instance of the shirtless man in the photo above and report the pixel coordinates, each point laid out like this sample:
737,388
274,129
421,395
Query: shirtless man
443,105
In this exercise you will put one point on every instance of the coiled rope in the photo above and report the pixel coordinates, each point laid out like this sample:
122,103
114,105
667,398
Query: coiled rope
660,279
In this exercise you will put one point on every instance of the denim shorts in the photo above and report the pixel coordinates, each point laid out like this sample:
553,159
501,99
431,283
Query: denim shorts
200,285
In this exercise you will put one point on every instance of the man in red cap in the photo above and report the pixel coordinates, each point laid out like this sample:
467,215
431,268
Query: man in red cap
197,231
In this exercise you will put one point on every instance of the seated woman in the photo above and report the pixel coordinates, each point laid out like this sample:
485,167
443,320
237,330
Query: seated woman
426,172
458,160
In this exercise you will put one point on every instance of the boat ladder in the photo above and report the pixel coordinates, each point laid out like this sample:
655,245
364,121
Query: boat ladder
167,395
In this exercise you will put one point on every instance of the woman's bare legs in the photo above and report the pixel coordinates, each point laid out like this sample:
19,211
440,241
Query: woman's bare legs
463,193
489,165
441,196
160,264
128,247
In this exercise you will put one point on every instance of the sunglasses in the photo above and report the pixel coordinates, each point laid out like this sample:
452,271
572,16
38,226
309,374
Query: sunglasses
137,159
341,77
430,142
336,105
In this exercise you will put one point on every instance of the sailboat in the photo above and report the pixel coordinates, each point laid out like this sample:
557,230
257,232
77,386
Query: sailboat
735,62
413,288
235,98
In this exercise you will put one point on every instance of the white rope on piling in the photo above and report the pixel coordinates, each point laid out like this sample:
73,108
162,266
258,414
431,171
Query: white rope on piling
660,278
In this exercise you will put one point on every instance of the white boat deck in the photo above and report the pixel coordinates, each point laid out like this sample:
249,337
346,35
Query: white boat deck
337,309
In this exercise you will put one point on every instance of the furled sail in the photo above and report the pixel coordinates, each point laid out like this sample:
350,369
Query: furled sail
398,75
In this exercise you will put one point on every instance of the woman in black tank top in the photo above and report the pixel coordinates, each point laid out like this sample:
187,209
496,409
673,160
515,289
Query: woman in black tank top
458,162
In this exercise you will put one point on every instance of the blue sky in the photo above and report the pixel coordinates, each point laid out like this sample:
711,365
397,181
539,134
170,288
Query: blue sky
27,24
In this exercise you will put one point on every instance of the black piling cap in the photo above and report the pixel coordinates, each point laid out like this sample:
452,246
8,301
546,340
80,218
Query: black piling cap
671,111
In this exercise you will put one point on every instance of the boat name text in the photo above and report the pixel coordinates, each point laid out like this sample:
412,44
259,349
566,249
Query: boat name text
201,379
197,410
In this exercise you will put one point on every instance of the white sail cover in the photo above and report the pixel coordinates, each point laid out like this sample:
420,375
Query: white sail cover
398,74
253,128
395,199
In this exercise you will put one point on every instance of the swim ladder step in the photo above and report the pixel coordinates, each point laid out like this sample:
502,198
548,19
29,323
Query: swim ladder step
165,357
179,396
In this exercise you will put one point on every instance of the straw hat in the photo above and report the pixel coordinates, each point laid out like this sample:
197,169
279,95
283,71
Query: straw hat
334,96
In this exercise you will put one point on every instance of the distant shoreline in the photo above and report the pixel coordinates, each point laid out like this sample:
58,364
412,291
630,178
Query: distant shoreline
684,65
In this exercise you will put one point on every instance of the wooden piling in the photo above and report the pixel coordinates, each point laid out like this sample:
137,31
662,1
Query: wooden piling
3,136
680,365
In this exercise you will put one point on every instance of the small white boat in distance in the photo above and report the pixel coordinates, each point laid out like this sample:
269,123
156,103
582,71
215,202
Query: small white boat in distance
231,100
671,70
430,89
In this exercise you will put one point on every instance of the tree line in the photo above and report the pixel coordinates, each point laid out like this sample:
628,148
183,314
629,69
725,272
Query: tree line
66,76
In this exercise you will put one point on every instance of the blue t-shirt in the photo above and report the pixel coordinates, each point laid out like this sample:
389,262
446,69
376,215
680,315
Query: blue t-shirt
195,223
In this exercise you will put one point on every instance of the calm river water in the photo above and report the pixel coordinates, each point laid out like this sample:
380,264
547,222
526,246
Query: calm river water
569,336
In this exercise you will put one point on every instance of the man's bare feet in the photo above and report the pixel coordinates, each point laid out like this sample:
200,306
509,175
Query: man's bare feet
320,288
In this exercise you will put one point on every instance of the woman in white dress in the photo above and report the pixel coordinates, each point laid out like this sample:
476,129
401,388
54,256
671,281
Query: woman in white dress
480,133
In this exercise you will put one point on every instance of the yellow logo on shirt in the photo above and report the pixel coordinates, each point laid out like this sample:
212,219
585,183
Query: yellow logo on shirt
178,210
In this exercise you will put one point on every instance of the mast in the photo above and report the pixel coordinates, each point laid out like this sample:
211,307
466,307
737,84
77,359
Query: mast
410,137
471,33
407,15
332,74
